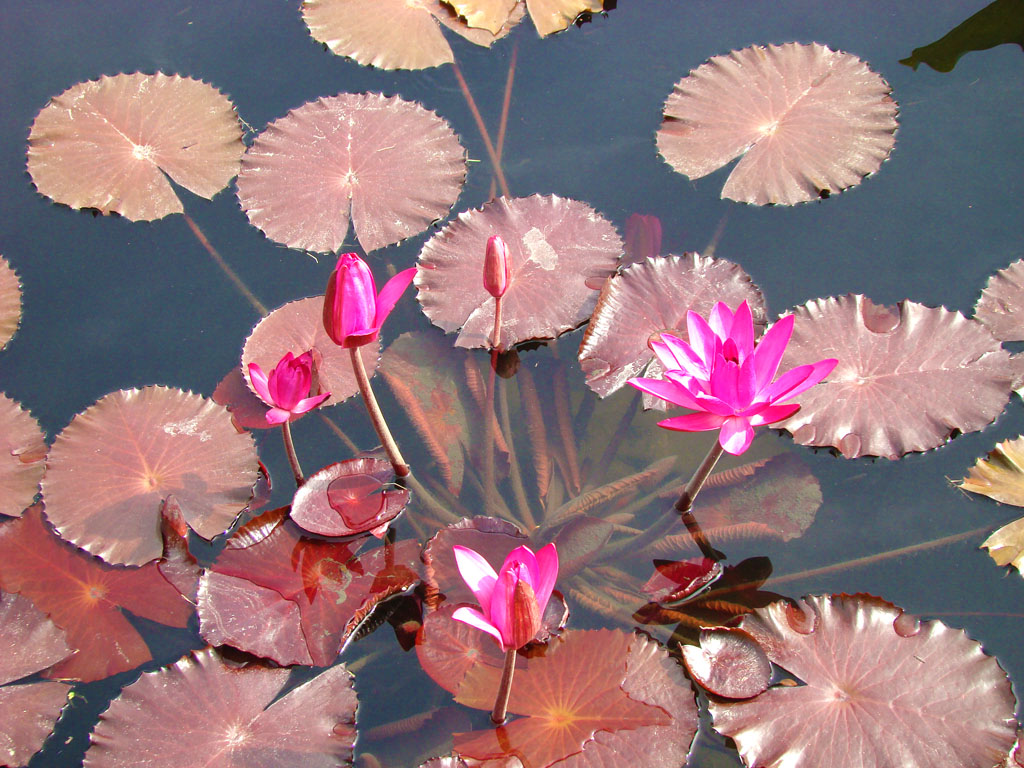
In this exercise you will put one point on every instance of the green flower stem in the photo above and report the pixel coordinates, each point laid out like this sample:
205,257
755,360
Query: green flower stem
381,427
504,688
293,459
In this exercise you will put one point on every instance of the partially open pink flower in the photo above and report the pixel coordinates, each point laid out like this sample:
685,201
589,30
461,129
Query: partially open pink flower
728,379
512,601
287,387
496,269
353,310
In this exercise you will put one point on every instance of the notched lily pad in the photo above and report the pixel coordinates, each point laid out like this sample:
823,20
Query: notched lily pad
728,663
22,451
10,302
349,497
805,120
1001,305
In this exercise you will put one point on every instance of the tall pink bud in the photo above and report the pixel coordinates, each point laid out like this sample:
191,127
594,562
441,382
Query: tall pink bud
496,272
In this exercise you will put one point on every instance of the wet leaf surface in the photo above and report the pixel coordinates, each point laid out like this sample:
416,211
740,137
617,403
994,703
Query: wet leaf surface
728,663
10,302
349,497
22,454
1001,305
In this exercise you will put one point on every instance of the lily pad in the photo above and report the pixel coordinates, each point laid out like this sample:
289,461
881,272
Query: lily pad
29,713
806,121
1000,475
10,302
908,377
1006,546
389,164
1001,306
22,449
111,469
108,143
728,663
876,683
201,711
557,248
650,298
349,497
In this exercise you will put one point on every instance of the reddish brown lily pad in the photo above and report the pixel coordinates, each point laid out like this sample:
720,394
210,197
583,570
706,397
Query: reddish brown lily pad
108,143
676,580
28,713
298,327
595,698
30,641
907,377
448,649
729,663
878,684
349,497
806,120
650,298
1001,306
556,249
22,449
10,302
111,469
392,165
297,600
85,597
200,711
396,34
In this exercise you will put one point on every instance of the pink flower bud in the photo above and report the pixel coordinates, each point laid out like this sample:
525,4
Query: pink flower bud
353,310
496,272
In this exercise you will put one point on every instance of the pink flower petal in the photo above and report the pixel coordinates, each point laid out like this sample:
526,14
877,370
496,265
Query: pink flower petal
259,383
742,330
736,435
391,293
477,573
703,340
773,413
309,403
668,391
684,354
473,617
720,320
693,422
770,349
278,416
547,566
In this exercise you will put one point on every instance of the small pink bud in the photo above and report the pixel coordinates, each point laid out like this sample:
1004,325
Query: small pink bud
496,272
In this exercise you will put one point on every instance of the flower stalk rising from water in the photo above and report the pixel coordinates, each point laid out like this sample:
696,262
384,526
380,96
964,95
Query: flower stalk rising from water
728,380
512,603
353,315
286,391
496,279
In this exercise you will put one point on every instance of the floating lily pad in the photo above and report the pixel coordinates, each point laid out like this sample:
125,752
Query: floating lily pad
806,121
1000,475
106,144
30,641
200,711
10,302
22,450
296,600
676,580
907,377
396,34
650,298
390,164
349,497
595,698
556,249
86,598
729,663
1006,545
448,649
1001,306
111,469
298,327
550,16
29,713
876,683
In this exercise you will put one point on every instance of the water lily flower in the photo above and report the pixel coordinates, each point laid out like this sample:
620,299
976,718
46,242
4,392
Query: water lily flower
496,269
286,390
512,601
353,310
727,378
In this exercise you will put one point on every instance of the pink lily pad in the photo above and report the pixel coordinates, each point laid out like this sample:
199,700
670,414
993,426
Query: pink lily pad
298,327
200,711
907,377
22,450
1001,306
10,302
650,298
349,497
108,143
595,698
296,600
728,663
556,249
86,598
877,683
392,165
807,122
30,641
396,34
111,469
29,713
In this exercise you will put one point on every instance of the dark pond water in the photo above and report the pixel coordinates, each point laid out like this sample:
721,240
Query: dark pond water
111,304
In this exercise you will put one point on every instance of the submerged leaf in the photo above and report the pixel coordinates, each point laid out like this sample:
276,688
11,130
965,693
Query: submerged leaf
111,469
390,164
201,711
907,377
807,122
877,683
107,143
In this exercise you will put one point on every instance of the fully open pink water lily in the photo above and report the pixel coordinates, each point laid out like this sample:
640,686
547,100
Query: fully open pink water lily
512,601
353,310
727,378
286,390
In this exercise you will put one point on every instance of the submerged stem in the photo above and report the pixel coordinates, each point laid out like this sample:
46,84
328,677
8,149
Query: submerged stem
381,427
504,688
293,459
